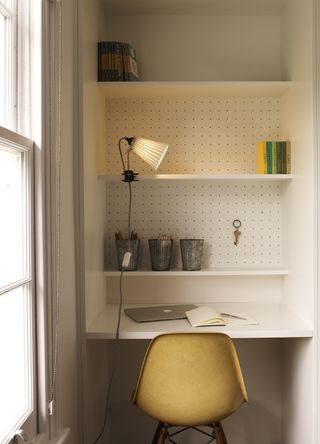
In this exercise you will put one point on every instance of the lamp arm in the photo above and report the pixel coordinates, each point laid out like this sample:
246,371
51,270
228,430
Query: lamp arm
121,155
128,158
128,174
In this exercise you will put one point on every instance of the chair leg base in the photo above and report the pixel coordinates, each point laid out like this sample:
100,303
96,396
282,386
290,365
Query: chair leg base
161,433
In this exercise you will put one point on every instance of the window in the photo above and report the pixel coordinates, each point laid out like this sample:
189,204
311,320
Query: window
18,376
28,342
17,368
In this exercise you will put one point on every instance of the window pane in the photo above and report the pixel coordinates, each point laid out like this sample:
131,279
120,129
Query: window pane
8,61
13,220
7,3
3,68
16,369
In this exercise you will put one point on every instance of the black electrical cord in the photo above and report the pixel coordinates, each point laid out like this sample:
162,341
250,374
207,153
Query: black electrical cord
116,343
115,362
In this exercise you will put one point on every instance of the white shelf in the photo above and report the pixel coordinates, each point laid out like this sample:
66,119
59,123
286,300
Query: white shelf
275,321
212,177
194,89
192,7
208,272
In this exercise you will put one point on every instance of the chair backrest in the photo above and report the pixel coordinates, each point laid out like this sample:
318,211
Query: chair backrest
190,379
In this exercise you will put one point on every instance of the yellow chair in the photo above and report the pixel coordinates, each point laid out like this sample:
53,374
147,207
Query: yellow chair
189,380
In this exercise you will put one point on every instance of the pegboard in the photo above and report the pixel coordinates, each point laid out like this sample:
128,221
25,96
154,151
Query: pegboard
200,209
214,135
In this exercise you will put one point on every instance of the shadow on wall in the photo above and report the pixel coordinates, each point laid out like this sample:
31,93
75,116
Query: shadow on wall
256,422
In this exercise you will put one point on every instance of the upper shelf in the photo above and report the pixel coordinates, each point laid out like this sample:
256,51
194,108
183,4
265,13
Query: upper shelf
194,89
212,177
193,7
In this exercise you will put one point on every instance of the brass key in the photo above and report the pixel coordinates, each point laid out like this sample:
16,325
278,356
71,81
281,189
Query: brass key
236,236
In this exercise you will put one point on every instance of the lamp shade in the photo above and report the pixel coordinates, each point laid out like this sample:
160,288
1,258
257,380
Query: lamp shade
150,151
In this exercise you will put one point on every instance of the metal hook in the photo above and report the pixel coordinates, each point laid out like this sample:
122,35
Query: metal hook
236,223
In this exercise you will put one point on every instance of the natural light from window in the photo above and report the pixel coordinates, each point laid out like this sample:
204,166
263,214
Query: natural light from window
2,68
16,360
16,369
13,225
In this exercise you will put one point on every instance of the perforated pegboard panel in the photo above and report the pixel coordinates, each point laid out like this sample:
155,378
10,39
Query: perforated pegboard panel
215,135
201,209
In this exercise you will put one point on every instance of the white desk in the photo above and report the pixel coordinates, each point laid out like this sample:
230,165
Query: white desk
275,321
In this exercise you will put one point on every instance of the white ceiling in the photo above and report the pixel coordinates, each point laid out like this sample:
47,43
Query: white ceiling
193,6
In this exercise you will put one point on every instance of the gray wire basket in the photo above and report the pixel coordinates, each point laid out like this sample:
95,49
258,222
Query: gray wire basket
191,253
160,254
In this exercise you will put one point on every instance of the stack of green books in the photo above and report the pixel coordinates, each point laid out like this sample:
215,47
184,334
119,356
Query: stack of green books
117,62
274,157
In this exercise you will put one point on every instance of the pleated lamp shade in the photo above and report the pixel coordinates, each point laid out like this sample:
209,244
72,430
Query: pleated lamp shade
150,151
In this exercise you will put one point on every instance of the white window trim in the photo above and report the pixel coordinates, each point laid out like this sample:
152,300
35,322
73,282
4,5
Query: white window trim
23,101
47,208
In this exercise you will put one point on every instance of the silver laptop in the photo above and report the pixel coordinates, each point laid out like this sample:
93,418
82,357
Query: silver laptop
158,313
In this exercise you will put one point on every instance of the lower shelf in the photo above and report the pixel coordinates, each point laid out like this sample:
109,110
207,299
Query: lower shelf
275,320
205,272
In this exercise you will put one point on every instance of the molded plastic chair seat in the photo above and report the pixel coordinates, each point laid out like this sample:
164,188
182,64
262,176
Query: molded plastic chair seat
190,380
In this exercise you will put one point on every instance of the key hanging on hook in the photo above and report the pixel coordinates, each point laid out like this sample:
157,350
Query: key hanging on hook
236,224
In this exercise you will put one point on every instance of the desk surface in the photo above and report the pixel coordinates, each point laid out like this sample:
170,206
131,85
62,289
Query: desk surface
274,321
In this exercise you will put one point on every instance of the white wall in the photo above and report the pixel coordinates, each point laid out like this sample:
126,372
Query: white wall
94,189
299,226
297,124
68,343
200,47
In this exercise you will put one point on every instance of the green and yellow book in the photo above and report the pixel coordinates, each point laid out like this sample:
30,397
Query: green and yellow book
269,157
262,157
274,157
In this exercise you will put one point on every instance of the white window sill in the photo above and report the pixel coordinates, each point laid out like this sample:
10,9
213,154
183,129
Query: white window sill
43,438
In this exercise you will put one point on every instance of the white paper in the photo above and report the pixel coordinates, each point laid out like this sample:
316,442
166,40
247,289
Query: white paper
202,316
206,316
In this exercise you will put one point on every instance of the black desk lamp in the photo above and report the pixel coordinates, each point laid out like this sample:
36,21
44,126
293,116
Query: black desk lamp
150,151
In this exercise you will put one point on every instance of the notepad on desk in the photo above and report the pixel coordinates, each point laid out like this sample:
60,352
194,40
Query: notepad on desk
206,316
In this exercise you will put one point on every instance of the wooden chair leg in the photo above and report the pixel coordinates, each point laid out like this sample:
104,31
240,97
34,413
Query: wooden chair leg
162,437
220,435
160,434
